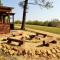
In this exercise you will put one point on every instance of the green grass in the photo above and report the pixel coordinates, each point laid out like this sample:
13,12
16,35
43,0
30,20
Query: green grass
43,28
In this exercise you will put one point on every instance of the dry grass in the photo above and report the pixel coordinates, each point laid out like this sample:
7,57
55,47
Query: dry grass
33,52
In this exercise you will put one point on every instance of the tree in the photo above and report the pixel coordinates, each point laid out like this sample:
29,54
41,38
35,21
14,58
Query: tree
24,14
1,3
41,3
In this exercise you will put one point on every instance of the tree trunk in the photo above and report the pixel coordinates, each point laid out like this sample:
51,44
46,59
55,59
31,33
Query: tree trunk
24,14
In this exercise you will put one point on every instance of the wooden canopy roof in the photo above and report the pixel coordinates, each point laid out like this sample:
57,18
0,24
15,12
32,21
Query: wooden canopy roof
5,9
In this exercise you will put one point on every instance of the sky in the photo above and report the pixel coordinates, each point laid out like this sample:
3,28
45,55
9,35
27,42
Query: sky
34,12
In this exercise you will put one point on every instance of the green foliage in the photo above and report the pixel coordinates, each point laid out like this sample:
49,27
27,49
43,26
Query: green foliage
17,22
34,22
1,3
45,23
52,23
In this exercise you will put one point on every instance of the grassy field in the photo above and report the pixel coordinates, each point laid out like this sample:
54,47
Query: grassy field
43,28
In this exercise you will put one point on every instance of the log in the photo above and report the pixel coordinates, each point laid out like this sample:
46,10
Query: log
16,40
44,35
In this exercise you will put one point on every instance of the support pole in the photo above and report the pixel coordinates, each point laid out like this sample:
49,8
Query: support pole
13,22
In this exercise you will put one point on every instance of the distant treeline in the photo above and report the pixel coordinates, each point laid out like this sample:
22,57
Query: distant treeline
52,23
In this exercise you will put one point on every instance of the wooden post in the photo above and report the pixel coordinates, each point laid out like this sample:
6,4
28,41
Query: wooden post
9,22
2,18
13,21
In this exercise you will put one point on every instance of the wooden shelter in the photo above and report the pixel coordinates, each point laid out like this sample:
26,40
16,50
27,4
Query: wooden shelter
6,16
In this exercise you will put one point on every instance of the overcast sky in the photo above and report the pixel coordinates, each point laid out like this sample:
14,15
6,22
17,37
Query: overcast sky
34,12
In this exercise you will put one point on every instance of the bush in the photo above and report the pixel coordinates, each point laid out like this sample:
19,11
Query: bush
45,23
17,22
53,23
35,22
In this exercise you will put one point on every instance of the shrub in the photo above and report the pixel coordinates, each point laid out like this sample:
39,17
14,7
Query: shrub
52,23
35,22
17,22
